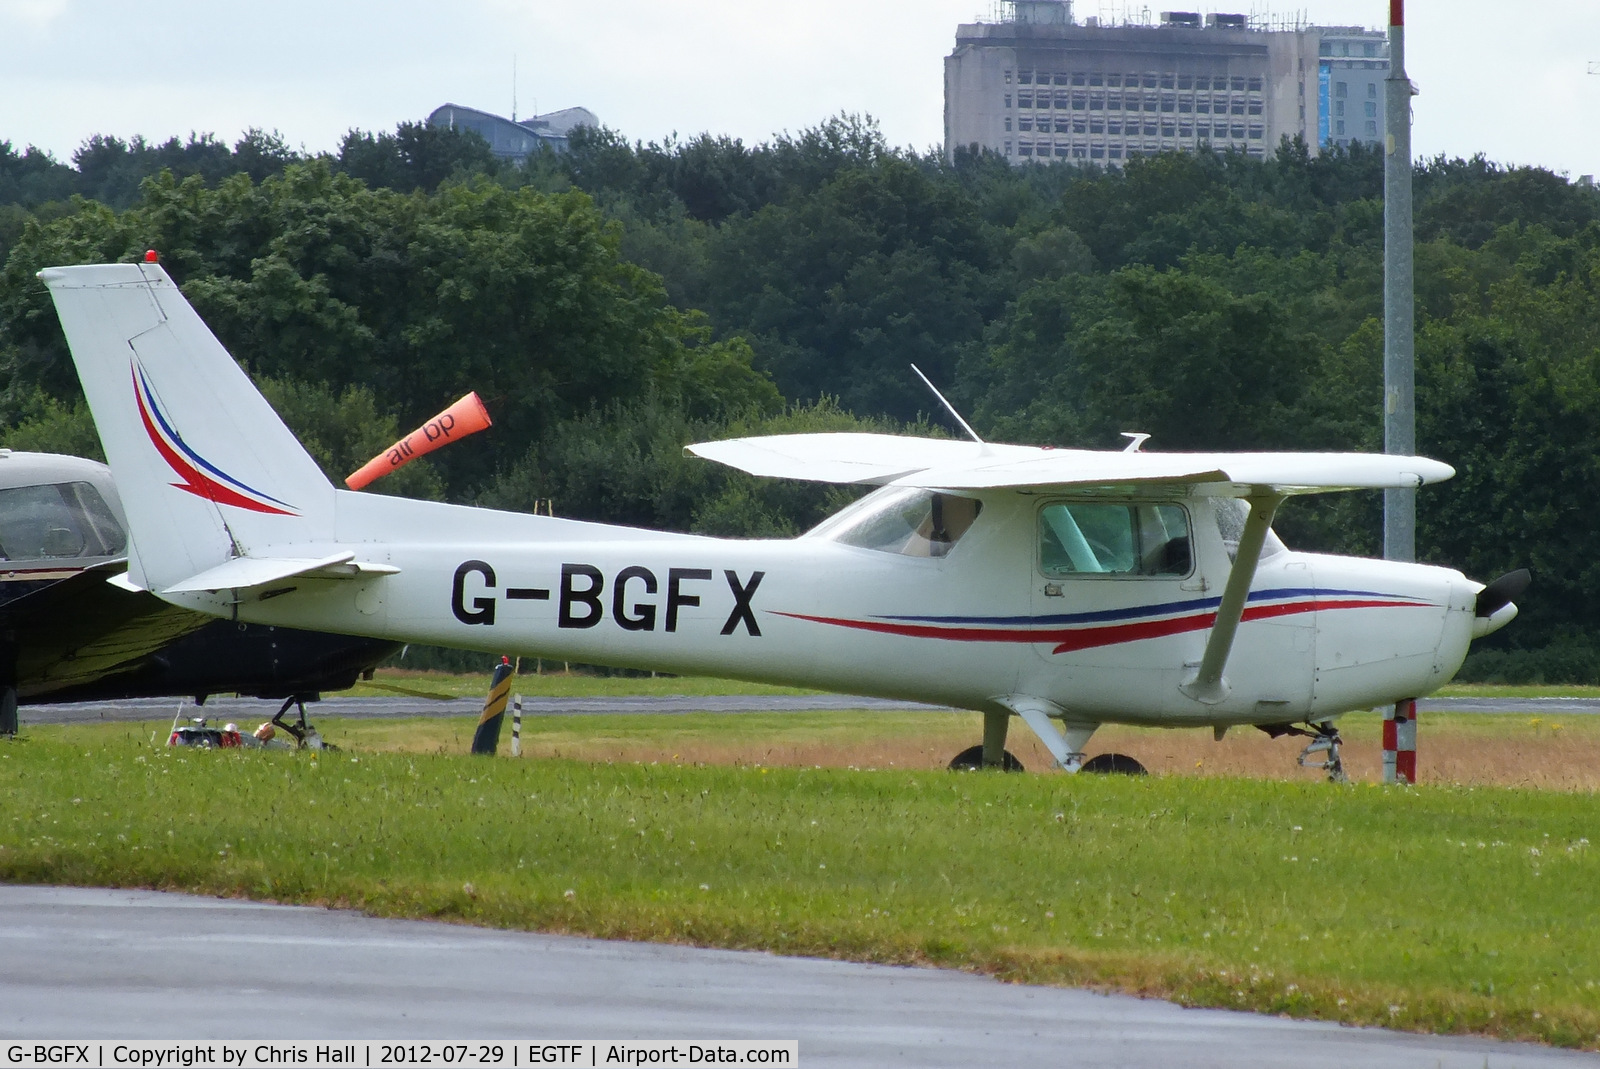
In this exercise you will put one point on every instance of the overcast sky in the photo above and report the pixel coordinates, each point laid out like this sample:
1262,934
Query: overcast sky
1508,80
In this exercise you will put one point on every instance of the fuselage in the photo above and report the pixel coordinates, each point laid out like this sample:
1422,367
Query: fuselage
994,597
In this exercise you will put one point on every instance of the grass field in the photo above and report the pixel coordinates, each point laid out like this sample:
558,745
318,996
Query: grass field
1447,908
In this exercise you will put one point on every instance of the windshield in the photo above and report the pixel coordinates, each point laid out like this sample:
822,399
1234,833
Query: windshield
904,520
1231,514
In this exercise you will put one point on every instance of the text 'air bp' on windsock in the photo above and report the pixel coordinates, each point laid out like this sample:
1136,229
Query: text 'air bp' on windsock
466,416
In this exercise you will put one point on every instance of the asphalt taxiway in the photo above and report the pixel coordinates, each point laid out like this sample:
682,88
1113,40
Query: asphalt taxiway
104,964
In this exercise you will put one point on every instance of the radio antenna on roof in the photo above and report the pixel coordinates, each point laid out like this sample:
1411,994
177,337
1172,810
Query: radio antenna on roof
948,406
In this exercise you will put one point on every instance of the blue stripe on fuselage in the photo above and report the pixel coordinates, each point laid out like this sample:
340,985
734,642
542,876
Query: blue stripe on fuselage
1140,611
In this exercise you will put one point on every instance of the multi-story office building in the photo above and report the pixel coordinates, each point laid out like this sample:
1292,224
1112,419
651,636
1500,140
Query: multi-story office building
1040,85
1352,65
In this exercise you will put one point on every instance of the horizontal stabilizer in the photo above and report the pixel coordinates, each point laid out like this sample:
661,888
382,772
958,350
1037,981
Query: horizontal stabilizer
943,464
243,573
123,581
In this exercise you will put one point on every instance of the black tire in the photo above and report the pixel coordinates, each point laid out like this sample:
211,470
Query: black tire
1113,764
971,760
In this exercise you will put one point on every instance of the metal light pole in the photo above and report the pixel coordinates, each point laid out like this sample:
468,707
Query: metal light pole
1399,362
1399,325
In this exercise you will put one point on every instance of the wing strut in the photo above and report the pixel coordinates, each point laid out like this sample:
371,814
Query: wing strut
1066,745
1208,686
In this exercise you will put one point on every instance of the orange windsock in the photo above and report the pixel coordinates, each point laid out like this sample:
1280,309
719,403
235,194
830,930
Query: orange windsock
466,416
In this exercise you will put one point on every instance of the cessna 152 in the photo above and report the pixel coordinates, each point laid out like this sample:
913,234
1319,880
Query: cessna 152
1057,585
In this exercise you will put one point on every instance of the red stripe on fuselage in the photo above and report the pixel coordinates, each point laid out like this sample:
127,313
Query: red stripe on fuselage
195,481
1083,638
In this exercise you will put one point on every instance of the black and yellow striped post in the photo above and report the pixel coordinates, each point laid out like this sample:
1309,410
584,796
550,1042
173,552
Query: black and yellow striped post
487,738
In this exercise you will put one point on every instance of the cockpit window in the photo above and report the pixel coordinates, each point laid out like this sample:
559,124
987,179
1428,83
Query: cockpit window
916,523
1100,538
57,520
1231,514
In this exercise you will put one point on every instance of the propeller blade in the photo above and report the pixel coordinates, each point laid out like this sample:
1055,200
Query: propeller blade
1503,591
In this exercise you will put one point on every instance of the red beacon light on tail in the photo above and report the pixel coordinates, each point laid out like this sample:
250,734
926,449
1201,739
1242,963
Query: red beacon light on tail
150,256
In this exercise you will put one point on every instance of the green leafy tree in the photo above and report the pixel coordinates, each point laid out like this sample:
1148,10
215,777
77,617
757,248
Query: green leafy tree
416,156
42,424
1468,201
344,430
313,276
1166,352
33,177
840,292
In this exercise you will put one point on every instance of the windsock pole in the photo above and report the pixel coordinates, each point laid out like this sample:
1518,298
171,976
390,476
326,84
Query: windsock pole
486,740
1400,742
466,416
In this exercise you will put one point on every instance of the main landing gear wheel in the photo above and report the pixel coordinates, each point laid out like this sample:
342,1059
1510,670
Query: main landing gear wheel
1115,764
971,760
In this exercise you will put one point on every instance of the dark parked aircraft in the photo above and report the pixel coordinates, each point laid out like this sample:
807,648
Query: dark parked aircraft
68,632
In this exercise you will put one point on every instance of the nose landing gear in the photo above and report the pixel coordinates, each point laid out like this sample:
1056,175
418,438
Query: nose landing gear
1321,752
1326,743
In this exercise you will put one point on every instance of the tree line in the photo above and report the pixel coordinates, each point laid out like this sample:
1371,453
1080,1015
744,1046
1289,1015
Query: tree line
621,299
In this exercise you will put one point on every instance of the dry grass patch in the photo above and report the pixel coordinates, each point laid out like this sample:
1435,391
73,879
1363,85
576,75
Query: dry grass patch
1556,753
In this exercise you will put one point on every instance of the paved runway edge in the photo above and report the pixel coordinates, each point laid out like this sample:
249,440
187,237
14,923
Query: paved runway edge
95,963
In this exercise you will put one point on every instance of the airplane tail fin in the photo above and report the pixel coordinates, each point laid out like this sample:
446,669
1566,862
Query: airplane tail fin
169,403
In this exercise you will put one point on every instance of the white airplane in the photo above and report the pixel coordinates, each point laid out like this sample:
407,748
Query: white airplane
1061,586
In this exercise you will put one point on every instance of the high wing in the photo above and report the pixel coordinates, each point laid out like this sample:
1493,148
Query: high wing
945,464
851,458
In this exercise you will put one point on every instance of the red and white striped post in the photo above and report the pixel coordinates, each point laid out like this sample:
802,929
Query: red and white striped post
1400,742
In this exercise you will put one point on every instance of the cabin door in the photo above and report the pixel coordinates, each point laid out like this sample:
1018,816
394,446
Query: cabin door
1109,575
